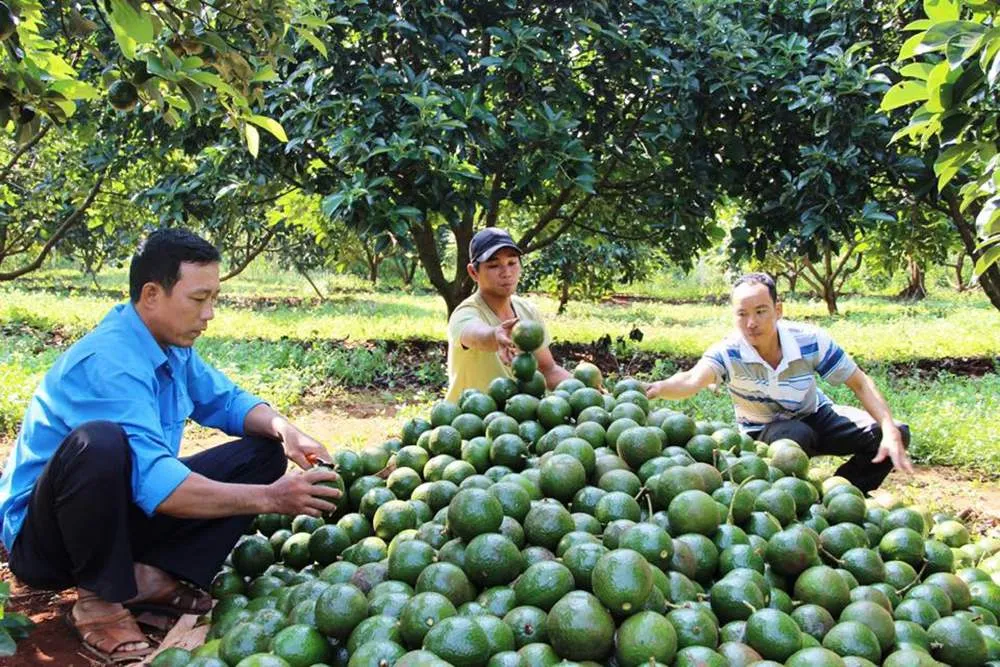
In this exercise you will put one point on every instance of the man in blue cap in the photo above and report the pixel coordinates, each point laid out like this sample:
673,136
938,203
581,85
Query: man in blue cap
480,348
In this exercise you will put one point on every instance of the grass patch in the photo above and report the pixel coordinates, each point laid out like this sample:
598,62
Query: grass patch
873,329
292,354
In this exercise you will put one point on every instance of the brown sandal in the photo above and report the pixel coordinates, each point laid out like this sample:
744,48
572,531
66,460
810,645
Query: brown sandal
104,636
175,599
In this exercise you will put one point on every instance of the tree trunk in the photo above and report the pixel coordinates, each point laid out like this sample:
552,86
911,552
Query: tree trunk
792,278
830,297
563,297
452,291
958,266
990,278
916,289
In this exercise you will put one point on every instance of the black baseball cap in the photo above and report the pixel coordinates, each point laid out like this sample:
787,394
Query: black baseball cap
487,242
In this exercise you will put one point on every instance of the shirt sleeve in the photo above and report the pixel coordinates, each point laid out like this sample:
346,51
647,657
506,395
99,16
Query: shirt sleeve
218,402
461,318
716,358
835,365
128,398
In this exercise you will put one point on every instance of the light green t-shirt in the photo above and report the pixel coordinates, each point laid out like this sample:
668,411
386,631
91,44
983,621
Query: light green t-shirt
476,368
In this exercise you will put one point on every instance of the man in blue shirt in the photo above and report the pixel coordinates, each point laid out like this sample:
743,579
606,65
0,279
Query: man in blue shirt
94,494
770,366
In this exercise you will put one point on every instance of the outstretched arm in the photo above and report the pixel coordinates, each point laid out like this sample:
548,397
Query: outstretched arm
553,372
478,335
873,401
684,383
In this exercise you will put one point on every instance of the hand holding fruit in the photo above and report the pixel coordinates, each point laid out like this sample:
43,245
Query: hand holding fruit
312,492
505,345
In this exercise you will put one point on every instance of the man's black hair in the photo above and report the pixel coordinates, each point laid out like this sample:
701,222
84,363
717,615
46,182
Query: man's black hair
759,279
158,259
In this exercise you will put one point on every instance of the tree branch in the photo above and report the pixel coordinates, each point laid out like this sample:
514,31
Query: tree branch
21,150
57,236
251,255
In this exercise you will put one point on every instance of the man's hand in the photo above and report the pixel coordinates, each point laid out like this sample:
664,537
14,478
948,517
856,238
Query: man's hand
656,389
505,346
892,448
302,493
302,449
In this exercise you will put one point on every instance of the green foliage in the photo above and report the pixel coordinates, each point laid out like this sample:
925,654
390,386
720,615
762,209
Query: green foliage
13,626
586,269
950,67
172,59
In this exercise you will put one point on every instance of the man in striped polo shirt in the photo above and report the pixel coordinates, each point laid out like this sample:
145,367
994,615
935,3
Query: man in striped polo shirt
770,365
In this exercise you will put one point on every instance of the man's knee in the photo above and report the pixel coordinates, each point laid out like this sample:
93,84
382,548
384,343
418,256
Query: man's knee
791,429
269,457
97,445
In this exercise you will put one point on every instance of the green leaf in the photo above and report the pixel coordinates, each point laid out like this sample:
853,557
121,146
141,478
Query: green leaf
988,258
939,85
941,10
311,21
988,220
910,46
916,70
904,93
950,161
7,645
265,73
75,90
311,37
408,212
253,139
131,27
271,125
994,74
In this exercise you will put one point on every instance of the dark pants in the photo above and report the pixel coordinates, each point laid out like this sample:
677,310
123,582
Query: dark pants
840,430
82,528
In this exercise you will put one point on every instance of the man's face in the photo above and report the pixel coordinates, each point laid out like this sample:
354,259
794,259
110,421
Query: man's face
755,314
499,274
178,318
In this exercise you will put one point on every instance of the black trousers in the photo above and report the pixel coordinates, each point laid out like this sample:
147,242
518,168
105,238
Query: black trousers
82,528
840,430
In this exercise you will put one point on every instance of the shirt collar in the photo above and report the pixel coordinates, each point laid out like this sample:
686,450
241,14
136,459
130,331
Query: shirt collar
150,348
789,348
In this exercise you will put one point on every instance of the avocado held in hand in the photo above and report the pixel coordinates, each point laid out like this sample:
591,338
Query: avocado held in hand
337,483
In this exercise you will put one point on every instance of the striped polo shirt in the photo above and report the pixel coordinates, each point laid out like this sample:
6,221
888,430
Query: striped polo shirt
762,394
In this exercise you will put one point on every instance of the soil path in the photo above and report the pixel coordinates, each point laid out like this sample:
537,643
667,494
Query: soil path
369,418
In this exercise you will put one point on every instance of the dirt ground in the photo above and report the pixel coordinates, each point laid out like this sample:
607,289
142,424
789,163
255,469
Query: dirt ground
363,419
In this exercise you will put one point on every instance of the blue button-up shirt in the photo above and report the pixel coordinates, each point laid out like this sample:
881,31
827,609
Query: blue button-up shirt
119,373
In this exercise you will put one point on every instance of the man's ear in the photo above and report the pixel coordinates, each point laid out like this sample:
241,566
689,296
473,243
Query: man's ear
150,293
471,268
778,309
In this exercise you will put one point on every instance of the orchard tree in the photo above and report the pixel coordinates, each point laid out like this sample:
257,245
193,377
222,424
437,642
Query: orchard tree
919,237
806,150
575,268
430,117
69,191
950,69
